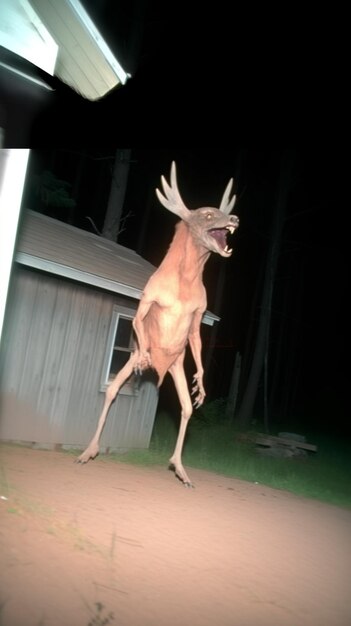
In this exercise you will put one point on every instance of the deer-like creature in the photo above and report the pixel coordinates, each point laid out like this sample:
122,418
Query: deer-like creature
171,309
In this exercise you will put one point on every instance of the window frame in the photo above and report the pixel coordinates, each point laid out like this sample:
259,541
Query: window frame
130,387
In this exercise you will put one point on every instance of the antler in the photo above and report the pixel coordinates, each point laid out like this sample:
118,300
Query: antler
226,206
172,199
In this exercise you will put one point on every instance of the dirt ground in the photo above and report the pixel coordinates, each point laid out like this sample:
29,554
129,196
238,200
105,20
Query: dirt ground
108,543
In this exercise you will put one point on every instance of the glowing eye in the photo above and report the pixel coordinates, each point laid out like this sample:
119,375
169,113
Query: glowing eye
209,216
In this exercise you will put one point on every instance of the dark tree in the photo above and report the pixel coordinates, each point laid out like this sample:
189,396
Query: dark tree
112,223
261,352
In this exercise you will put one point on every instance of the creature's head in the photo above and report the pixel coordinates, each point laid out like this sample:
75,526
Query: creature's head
209,226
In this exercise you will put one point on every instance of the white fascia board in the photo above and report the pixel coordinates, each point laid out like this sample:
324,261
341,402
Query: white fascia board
91,279
101,43
74,274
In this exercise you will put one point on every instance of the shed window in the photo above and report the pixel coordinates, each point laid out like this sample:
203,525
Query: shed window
120,344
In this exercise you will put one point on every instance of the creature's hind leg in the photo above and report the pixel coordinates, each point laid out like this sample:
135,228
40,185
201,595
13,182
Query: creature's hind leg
177,372
93,448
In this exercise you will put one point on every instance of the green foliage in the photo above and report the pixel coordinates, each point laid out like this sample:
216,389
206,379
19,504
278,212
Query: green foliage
52,192
208,415
213,444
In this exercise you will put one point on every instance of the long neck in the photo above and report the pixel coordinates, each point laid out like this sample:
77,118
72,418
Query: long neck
185,255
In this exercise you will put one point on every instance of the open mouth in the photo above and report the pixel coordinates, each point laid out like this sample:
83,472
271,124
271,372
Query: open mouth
220,236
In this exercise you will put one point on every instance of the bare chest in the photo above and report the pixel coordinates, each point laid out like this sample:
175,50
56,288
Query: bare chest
180,298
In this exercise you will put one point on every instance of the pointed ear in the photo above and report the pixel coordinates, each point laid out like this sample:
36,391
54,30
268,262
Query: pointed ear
226,206
172,199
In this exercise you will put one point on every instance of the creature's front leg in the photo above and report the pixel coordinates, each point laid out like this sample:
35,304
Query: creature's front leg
143,354
195,346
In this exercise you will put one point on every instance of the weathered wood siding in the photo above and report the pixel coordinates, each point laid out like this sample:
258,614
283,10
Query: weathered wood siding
54,343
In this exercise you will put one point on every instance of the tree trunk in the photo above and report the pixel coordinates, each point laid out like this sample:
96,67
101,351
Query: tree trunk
142,230
233,389
111,227
81,162
208,360
220,286
261,349
280,355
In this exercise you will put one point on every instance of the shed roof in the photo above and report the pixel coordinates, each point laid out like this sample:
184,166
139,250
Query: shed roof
58,248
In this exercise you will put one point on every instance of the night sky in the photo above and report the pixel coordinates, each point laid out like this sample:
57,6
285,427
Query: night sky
309,309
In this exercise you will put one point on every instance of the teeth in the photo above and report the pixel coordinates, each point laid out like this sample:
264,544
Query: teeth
228,251
231,229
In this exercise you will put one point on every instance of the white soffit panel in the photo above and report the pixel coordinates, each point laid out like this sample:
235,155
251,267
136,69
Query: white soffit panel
84,60
60,38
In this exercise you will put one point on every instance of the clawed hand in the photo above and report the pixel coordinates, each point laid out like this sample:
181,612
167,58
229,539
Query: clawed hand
143,363
198,388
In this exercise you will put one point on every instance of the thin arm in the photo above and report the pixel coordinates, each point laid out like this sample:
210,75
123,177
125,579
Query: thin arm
195,346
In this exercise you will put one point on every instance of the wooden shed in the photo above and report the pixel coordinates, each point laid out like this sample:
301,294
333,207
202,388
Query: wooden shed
68,330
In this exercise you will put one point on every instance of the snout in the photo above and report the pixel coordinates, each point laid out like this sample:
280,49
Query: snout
234,220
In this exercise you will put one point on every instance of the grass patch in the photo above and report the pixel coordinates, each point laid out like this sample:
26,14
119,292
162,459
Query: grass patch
211,445
13,511
146,458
